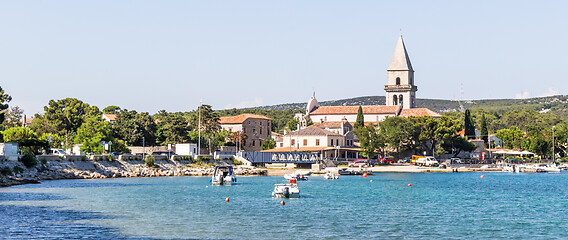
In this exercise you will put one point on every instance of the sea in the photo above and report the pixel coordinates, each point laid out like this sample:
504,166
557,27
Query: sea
474,205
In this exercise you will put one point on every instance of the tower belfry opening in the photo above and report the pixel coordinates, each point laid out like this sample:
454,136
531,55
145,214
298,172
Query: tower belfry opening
400,79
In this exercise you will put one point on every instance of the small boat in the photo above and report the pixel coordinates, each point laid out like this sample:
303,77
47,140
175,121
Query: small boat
294,176
223,175
330,176
345,171
286,190
304,172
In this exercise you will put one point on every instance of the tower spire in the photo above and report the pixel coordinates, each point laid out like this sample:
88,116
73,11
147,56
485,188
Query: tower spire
400,60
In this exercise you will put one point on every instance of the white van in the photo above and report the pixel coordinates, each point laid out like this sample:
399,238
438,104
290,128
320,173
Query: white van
427,161
57,151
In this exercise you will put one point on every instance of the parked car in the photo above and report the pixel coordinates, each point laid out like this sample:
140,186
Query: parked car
116,154
57,151
456,160
386,160
166,153
359,163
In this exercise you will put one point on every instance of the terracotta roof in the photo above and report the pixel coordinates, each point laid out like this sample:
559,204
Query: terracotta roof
312,131
241,118
329,124
374,109
29,120
275,134
110,117
419,112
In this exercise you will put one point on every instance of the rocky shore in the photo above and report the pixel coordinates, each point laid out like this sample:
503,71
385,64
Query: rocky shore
14,173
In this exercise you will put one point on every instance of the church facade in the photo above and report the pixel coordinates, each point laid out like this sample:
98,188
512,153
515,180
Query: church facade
400,96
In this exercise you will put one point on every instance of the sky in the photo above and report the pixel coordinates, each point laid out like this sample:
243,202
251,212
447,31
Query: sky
153,55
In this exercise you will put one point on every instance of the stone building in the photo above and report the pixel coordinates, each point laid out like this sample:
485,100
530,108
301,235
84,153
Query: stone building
400,96
256,127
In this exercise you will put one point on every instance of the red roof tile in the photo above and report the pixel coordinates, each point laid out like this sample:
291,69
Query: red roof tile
111,117
419,112
375,109
241,118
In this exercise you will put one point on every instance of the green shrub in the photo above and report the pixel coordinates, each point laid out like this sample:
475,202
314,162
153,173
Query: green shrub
29,159
149,161
130,158
6,171
43,161
110,157
237,162
204,158
18,169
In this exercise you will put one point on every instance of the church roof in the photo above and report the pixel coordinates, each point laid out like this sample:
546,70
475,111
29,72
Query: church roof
241,118
374,109
312,131
400,59
419,112
328,124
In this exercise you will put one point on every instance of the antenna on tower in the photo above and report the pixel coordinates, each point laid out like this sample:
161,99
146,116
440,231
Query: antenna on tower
461,98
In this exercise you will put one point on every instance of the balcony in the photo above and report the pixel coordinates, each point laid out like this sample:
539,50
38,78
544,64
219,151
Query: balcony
400,88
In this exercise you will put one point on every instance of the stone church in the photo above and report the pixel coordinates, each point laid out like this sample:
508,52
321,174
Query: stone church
400,96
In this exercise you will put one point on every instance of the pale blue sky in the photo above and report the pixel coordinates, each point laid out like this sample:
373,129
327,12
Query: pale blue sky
152,55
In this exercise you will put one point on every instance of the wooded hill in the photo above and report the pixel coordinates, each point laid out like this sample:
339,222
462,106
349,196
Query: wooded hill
555,104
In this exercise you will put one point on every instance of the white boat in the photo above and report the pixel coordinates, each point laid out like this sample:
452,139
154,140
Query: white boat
286,190
294,176
223,175
330,176
304,172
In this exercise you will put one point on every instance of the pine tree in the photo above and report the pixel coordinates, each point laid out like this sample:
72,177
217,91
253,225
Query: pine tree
360,122
484,132
468,125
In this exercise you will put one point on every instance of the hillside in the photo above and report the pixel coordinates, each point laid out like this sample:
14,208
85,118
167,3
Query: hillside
555,104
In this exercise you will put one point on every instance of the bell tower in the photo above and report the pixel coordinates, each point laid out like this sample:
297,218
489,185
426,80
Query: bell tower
400,88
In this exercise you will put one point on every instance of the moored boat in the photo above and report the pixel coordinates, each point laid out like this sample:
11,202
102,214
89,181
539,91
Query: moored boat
294,176
286,190
223,175
330,176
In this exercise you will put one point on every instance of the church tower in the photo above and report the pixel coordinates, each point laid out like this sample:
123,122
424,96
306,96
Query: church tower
400,88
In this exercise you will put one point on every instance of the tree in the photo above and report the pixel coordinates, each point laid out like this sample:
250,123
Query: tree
512,137
4,100
15,116
360,118
484,132
26,138
91,133
446,133
468,125
172,128
64,116
425,133
398,133
268,144
369,139
131,126
111,109
293,124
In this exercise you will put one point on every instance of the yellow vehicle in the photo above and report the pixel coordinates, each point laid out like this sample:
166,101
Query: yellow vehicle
416,157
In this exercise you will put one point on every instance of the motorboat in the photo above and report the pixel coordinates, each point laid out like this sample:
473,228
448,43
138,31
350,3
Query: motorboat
286,190
345,171
223,175
295,176
330,176
304,172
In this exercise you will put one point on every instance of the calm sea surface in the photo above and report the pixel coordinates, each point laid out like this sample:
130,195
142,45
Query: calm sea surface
436,206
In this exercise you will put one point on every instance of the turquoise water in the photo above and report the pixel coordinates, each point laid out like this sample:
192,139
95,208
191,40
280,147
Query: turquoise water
437,205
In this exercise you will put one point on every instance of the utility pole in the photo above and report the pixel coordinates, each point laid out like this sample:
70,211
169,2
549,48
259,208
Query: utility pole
199,130
553,143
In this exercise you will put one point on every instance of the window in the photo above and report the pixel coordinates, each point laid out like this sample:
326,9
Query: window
260,130
253,142
394,100
281,144
400,99
397,81
317,142
254,130
292,142
305,142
